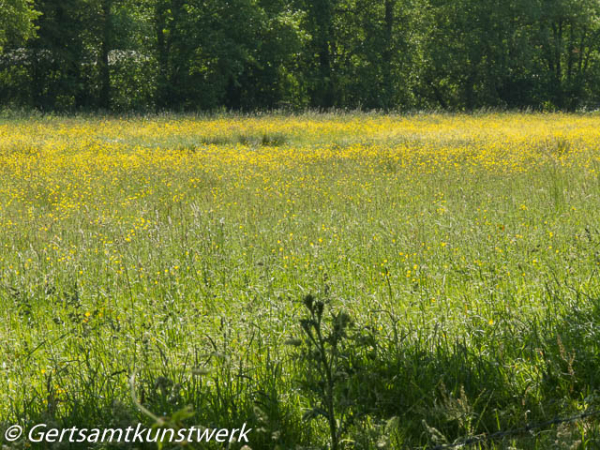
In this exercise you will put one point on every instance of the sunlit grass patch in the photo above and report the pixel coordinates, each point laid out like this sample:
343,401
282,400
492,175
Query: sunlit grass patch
463,250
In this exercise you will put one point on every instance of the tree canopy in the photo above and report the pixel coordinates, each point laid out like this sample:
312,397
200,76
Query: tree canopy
265,54
16,21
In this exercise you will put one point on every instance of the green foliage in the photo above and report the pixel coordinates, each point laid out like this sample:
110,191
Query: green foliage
253,55
324,353
16,21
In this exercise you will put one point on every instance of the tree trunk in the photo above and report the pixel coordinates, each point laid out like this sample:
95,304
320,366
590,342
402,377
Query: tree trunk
388,54
322,10
104,51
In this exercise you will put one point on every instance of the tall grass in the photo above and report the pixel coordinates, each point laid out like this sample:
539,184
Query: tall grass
462,253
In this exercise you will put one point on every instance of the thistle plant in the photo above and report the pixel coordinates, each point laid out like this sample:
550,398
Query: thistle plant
323,352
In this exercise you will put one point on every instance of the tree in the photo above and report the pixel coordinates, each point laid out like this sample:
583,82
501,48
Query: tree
105,47
263,54
569,36
16,21
321,50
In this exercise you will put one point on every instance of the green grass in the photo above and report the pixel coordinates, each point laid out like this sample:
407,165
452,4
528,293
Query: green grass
472,293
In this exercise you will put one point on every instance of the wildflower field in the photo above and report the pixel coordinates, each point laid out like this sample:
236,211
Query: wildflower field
334,281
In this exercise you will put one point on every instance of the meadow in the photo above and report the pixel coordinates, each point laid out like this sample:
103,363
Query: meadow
343,281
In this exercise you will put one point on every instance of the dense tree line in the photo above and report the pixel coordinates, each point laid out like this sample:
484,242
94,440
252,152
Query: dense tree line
263,54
